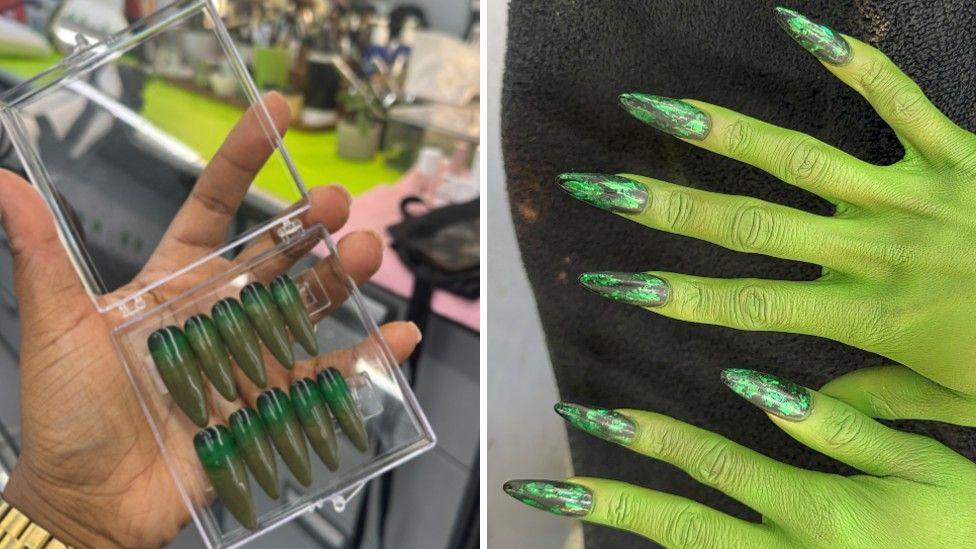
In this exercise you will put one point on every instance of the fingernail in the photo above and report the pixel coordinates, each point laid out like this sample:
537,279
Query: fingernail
252,443
266,319
218,454
671,116
316,421
820,40
343,405
643,289
238,334
608,192
345,193
279,417
210,349
559,498
777,396
418,335
178,367
289,301
599,422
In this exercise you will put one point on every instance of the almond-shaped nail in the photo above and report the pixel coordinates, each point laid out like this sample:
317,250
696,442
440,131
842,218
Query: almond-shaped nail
600,422
210,349
772,394
820,40
267,321
278,414
344,407
221,462
613,193
642,289
292,308
253,445
178,367
314,416
559,498
672,116
239,335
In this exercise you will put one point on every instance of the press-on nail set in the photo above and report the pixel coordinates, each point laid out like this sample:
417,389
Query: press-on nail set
268,388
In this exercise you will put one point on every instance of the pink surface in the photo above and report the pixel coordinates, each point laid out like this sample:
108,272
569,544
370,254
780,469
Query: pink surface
379,208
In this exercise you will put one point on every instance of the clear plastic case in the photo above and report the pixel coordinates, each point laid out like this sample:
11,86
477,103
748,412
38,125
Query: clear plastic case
116,180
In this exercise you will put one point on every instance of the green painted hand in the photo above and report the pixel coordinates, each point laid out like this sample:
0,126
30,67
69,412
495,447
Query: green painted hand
901,499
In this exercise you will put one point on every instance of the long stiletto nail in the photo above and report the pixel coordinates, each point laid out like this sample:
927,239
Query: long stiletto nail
774,395
599,422
210,349
608,192
672,116
344,408
643,289
252,443
289,301
279,417
218,454
820,40
559,498
266,319
316,421
178,367
238,334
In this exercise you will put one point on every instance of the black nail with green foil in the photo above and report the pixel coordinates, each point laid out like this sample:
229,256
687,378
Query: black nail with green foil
292,308
642,289
239,335
180,371
210,349
599,422
614,193
820,40
672,116
267,320
279,418
253,445
344,408
559,498
774,395
218,454
314,416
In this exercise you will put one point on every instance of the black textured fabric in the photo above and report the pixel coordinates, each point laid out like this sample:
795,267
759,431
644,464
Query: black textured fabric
566,63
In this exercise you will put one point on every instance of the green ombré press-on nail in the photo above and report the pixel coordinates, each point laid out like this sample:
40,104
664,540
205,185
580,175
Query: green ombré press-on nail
210,349
559,498
238,334
344,408
614,193
267,321
279,417
218,454
774,395
253,445
178,367
599,422
289,301
673,116
643,289
820,40
314,416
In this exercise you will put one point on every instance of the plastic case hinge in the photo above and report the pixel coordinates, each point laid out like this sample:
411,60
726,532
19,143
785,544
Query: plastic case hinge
132,306
289,229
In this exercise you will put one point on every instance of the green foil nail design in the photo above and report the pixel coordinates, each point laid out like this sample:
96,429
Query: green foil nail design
238,334
344,408
252,443
774,395
279,417
178,367
607,192
210,349
559,498
266,319
643,289
292,308
316,421
672,116
599,422
218,454
820,40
